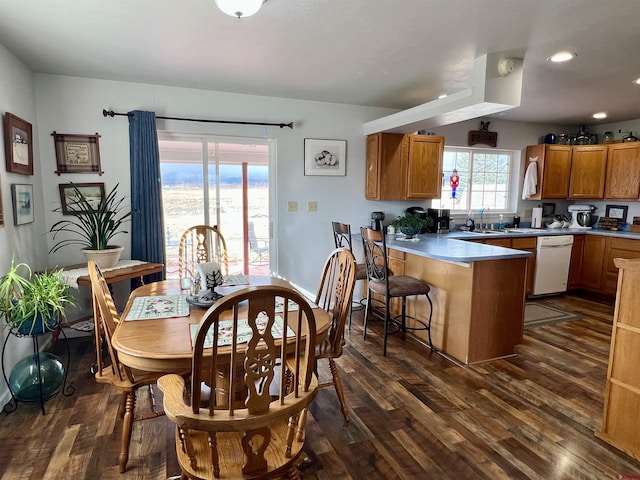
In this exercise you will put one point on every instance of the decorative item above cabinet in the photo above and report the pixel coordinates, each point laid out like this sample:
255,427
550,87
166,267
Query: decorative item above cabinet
403,167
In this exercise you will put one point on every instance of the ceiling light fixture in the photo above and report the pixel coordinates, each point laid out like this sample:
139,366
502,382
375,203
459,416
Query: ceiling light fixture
444,95
561,57
240,8
637,81
600,115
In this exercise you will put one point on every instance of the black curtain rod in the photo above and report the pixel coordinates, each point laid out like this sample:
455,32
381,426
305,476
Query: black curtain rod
111,113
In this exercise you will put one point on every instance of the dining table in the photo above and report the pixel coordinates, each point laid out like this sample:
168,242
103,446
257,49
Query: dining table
164,344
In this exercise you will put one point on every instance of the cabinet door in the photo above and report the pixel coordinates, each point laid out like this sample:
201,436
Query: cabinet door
424,175
372,179
623,171
556,171
592,262
617,248
528,244
575,267
588,168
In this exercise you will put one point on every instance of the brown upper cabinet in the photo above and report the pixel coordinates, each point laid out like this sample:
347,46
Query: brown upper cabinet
588,169
554,168
403,167
623,171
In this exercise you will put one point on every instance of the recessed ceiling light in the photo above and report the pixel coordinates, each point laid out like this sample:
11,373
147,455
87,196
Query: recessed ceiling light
560,57
600,115
637,80
444,95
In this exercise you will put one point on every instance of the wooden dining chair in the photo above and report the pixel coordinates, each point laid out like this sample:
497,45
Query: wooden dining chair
342,239
334,295
237,349
387,286
124,379
200,244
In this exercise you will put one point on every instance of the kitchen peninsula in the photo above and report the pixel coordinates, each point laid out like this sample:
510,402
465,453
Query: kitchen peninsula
478,293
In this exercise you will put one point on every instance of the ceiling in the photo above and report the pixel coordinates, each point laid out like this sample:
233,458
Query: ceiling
396,54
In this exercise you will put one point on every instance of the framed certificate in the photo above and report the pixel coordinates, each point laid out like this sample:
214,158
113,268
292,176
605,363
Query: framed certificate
77,153
18,145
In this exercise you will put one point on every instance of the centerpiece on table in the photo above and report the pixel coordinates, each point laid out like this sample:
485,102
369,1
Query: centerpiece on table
33,303
93,226
410,224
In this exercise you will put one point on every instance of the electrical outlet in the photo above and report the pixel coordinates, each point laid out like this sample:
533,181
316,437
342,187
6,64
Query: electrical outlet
292,206
313,206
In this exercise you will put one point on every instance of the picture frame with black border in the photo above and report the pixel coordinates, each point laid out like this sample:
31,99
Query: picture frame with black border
22,199
619,212
93,192
325,157
18,142
77,153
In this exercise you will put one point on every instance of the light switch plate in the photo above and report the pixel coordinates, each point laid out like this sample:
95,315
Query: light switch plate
292,206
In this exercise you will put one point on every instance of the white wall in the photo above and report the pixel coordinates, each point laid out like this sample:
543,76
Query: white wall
24,243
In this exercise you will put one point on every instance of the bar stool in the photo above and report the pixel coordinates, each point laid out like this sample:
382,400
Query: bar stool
390,286
342,239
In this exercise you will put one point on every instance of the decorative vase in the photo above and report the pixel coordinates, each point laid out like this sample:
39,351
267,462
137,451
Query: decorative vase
104,258
410,232
25,381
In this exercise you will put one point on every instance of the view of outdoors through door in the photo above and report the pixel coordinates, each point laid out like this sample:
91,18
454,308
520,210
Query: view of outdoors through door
215,181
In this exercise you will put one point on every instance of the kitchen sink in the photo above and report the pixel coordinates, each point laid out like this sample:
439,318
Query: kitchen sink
488,232
523,230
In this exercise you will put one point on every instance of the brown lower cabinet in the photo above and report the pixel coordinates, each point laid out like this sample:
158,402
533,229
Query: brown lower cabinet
528,244
575,267
592,261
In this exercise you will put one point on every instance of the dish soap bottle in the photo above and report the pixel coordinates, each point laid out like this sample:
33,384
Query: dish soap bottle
471,222
501,222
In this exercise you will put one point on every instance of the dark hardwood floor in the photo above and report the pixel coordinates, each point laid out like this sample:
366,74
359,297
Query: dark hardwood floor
414,415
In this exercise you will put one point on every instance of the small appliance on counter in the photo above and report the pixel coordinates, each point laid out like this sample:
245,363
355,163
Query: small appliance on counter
376,220
421,212
582,216
441,220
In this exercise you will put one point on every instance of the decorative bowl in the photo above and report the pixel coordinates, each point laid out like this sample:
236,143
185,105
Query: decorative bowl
410,232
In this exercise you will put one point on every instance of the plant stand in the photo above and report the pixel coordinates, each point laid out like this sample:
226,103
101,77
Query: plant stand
41,366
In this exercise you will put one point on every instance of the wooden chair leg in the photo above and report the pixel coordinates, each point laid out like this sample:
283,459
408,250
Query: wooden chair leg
301,423
338,386
123,404
127,428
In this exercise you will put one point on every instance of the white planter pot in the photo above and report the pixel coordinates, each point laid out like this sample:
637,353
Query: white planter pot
104,258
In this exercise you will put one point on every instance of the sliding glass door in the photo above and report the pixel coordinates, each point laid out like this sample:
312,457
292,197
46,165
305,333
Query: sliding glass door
210,180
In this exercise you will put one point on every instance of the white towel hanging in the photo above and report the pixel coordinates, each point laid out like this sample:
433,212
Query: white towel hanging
530,179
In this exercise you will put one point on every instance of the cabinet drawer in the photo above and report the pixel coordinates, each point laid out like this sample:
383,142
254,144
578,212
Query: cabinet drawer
499,242
397,254
524,243
624,244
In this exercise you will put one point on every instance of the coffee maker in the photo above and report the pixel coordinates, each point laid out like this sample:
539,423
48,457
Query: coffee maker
440,217
376,220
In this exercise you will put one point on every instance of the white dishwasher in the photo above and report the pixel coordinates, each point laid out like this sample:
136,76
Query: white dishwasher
552,264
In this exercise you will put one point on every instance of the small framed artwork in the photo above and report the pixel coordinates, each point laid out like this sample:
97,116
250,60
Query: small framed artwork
325,157
18,144
22,196
618,212
92,192
77,153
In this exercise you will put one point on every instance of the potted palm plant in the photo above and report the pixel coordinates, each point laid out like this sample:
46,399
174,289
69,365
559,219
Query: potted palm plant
33,303
93,226
410,224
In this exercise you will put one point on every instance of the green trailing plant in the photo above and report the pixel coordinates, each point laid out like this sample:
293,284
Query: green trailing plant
411,220
92,225
32,297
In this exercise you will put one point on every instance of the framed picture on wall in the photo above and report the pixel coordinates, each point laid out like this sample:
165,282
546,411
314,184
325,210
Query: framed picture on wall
92,192
325,157
22,197
77,153
618,212
18,144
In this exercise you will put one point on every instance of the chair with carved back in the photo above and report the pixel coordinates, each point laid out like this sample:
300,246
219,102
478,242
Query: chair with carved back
334,295
389,286
124,379
201,244
342,239
238,343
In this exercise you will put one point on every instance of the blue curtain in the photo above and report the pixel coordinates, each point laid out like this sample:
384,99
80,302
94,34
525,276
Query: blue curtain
147,228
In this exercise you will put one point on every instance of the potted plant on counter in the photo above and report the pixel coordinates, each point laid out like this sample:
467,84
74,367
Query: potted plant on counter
33,303
411,224
93,226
